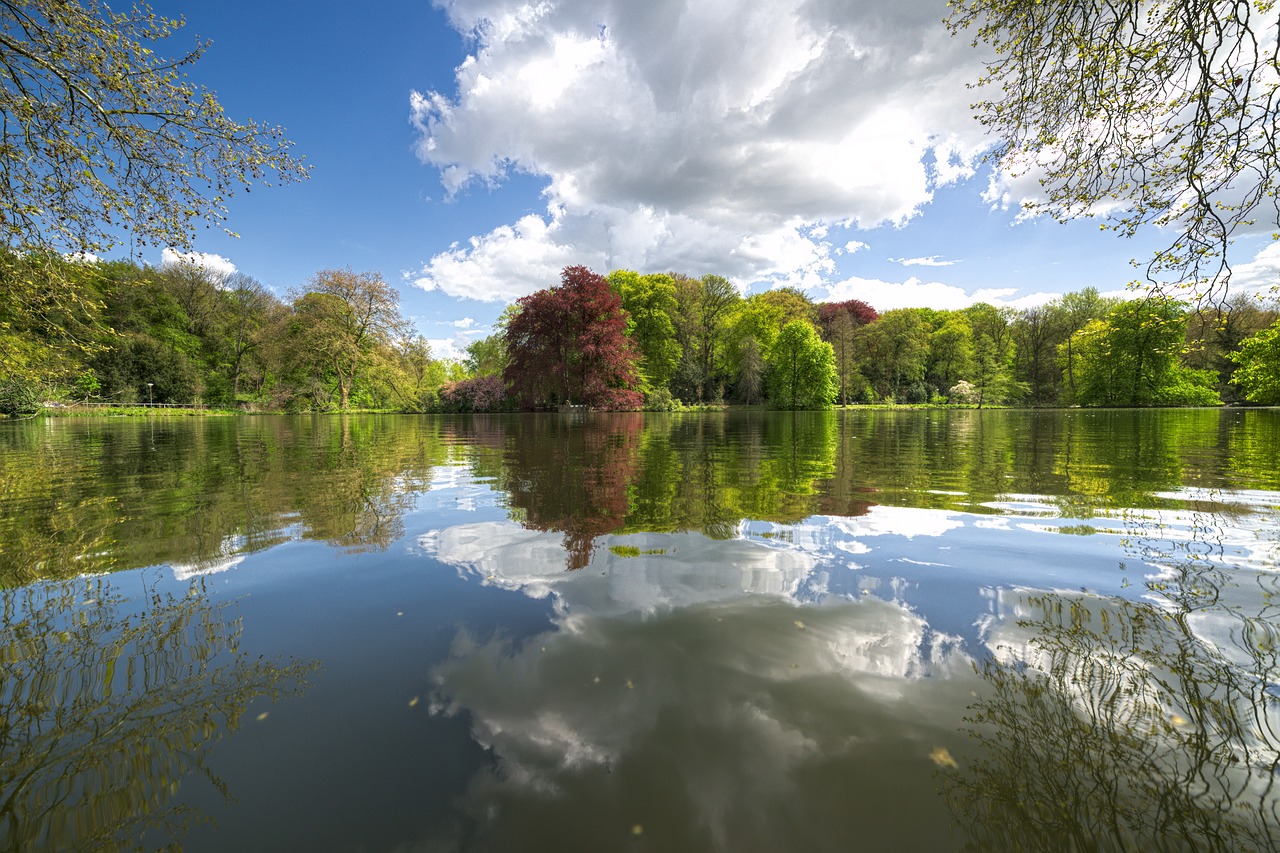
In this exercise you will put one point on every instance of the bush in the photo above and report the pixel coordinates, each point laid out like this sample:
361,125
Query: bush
480,394
1190,388
917,392
661,400
19,398
963,393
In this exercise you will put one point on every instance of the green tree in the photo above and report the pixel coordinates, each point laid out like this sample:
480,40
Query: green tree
18,397
1076,310
895,352
103,135
50,315
702,309
195,289
410,374
755,319
350,314
950,352
249,308
1259,371
750,371
1130,358
839,323
841,332
789,304
1163,112
650,301
802,369
486,356
1216,331
993,351
1037,333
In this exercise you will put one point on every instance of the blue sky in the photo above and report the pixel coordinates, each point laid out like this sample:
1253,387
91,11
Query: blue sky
467,150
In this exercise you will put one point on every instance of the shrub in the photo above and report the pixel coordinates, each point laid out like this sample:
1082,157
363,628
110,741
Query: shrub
963,393
661,400
479,394
917,392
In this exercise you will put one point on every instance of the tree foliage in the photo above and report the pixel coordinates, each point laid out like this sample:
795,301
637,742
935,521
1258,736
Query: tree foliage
568,345
1259,371
839,323
702,308
1159,113
1130,358
751,369
802,369
650,302
993,353
349,313
1215,333
101,134
860,312
18,397
895,352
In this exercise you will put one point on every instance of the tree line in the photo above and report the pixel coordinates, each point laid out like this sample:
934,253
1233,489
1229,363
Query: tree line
125,333
181,333
664,340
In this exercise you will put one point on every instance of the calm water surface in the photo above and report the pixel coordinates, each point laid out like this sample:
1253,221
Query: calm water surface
830,631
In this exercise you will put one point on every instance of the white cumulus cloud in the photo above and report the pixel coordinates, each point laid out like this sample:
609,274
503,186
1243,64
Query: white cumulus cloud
1260,275
722,137
454,348
216,265
887,295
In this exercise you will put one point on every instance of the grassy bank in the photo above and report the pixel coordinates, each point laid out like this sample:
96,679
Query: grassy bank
127,411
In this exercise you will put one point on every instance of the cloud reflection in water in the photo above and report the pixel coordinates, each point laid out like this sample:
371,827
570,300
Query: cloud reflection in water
688,694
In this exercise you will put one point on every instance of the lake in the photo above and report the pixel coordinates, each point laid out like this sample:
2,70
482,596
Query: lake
874,630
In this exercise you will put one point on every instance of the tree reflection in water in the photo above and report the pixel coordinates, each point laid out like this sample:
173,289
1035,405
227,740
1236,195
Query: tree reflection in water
1119,724
107,703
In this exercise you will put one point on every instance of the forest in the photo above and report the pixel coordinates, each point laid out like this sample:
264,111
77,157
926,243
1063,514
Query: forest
123,333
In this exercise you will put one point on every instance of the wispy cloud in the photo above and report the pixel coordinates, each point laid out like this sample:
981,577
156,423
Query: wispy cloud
931,261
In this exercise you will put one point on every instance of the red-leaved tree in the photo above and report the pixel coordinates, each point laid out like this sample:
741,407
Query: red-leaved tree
568,344
839,323
860,312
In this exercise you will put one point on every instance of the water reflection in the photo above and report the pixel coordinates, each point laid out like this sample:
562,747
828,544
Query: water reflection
1142,716
709,693
107,705
749,631
742,724
1122,723
93,495
86,495
640,574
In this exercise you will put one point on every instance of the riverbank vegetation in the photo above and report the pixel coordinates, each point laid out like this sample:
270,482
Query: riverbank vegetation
180,334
